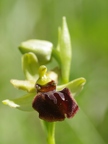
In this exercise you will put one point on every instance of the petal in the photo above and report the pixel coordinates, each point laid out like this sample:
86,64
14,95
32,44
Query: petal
75,86
23,103
53,75
55,106
26,85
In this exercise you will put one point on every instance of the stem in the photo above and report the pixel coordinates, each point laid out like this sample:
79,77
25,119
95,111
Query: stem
51,133
50,129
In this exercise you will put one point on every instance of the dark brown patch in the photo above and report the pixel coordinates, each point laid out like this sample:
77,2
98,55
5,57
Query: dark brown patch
54,105
45,88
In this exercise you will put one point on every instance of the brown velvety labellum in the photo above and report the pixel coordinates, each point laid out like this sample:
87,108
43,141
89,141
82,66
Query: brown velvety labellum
55,105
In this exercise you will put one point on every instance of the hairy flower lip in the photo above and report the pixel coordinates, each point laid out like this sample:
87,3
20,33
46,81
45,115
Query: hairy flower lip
54,105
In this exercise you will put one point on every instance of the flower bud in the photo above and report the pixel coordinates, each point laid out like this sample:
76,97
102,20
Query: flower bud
41,48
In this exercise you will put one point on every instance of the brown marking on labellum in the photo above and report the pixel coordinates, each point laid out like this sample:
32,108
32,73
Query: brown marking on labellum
54,105
45,88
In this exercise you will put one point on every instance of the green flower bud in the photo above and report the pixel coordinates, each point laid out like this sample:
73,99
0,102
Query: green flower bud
65,51
41,48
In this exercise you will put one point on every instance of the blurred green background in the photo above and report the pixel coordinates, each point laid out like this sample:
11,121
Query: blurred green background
87,20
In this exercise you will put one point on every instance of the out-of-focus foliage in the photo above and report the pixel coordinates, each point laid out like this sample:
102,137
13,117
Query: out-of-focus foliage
88,25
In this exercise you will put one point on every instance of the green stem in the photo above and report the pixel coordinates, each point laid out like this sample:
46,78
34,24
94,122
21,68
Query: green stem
51,133
50,129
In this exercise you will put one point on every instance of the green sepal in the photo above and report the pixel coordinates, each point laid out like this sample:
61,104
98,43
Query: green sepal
26,85
30,66
41,48
23,103
75,86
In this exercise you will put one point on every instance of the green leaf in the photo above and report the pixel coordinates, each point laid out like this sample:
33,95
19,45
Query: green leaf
26,85
41,48
30,66
23,103
64,47
75,86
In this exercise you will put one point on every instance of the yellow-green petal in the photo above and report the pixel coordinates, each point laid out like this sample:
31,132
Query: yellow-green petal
75,86
26,85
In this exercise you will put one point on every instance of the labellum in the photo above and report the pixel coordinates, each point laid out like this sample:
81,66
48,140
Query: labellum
54,105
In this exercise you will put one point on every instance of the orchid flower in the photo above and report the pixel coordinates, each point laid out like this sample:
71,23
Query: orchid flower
50,92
